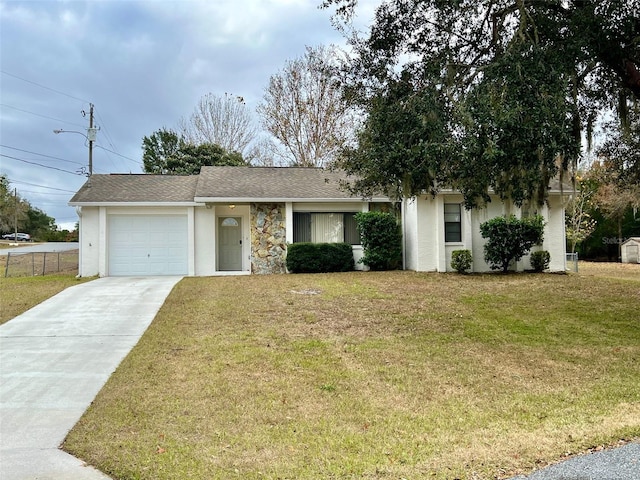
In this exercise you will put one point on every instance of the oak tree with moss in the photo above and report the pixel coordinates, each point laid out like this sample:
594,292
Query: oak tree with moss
481,96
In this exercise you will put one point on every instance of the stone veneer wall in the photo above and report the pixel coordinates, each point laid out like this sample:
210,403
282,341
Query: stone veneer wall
268,240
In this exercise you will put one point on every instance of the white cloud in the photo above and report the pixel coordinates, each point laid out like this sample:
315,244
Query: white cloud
144,64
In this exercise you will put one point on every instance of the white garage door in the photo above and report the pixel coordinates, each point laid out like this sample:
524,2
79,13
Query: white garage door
148,245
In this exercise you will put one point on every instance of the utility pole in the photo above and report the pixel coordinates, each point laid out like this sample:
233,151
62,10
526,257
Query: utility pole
91,135
15,214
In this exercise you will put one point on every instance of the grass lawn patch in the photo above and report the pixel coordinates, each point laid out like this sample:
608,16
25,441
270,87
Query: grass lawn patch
381,375
17,295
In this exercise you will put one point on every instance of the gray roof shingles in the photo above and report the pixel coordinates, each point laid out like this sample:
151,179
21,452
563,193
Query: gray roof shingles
137,188
215,183
270,183
220,184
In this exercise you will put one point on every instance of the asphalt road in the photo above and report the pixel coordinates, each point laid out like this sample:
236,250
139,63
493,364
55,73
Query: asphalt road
622,463
41,247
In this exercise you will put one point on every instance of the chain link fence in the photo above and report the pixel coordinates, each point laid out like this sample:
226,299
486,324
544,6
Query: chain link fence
31,264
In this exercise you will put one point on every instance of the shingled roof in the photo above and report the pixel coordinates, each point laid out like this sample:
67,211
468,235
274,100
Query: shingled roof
269,183
120,188
216,184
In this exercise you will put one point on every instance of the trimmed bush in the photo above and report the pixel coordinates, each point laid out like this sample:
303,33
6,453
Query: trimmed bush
381,240
461,260
540,260
319,257
510,239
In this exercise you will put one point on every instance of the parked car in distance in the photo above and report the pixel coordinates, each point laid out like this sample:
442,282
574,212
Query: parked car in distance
19,237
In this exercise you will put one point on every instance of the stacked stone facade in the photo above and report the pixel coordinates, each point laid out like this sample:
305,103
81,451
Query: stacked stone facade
268,238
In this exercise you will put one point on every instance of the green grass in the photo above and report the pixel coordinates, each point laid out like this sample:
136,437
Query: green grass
17,295
371,375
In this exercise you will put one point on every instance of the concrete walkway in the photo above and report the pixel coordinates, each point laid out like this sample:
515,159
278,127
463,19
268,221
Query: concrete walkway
53,361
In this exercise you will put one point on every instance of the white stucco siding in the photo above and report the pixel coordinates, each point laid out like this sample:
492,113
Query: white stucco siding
205,245
89,223
495,208
426,249
422,247
554,234
330,207
410,233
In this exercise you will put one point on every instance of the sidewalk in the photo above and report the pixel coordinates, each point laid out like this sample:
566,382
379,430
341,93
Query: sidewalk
55,358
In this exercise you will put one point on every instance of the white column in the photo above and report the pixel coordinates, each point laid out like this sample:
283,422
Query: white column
288,222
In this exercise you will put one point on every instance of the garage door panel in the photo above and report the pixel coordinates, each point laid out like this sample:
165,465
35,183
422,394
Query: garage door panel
148,245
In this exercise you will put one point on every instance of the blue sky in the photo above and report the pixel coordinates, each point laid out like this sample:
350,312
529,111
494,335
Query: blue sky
143,64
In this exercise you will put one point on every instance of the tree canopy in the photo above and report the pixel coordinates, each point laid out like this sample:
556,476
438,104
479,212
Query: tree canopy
16,212
304,111
221,120
485,95
165,152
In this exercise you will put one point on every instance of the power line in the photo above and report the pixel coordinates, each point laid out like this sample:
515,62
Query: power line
138,162
107,136
41,193
43,86
40,115
40,165
41,154
40,186
104,128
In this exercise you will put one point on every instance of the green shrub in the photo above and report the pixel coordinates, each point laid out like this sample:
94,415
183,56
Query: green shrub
319,257
540,260
510,238
381,240
461,260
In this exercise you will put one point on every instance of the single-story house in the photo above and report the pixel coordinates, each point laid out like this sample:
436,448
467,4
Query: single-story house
226,220
239,220
436,226
631,250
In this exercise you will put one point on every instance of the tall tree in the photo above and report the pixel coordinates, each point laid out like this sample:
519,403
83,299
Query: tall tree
167,153
12,208
303,110
578,220
512,84
192,158
39,224
222,120
159,148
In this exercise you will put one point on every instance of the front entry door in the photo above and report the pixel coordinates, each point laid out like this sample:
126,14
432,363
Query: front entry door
230,244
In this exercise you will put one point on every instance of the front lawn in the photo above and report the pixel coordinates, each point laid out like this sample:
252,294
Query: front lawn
18,295
371,375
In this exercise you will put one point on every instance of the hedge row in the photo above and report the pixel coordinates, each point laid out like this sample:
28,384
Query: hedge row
319,257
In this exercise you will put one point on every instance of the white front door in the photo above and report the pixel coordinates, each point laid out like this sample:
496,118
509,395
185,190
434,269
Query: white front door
230,244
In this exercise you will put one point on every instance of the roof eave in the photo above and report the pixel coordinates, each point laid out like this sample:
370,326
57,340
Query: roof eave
287,200
133,204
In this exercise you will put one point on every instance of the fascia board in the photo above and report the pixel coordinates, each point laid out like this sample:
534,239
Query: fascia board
134,204
286,200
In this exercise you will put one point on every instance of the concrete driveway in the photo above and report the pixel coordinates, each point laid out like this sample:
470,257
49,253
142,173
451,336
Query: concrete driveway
53,361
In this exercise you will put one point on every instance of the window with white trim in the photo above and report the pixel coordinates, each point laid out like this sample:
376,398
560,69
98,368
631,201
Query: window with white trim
452,222
325,228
